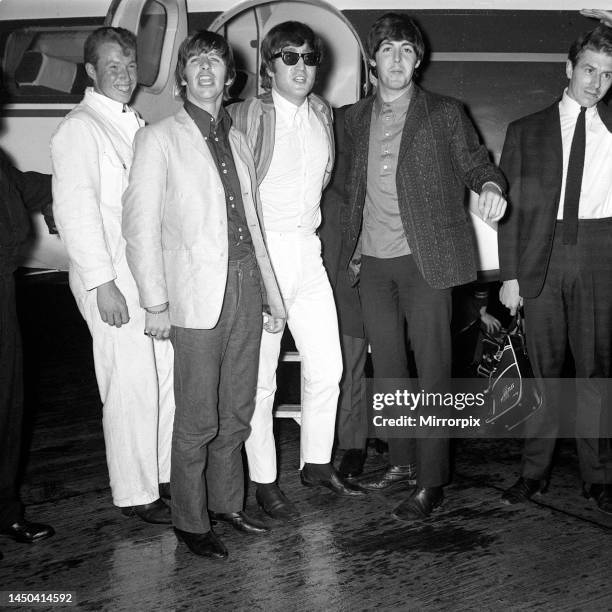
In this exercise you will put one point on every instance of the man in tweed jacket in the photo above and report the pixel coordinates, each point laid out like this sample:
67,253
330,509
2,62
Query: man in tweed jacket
290,131
405,221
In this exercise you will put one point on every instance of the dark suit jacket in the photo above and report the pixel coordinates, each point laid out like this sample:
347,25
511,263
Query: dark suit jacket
532,159
440,154
20,193
346,295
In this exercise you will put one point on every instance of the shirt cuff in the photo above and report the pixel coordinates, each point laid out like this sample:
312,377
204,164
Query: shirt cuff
493,184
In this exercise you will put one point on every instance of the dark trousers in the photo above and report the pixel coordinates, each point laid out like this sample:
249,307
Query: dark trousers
393,291
352,419
11,403
575,309
215,378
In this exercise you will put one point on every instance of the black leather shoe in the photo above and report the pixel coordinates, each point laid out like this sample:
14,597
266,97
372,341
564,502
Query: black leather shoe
521,491
155,512
203,544
420,504
25,531
352,463
240,521
331,480
393,474
274,503
164,491
600,493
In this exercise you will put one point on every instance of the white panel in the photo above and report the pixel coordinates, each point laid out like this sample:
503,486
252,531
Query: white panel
27,139
506,5
52,9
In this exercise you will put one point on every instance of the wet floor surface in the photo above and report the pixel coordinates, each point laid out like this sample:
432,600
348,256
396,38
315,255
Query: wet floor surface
473,554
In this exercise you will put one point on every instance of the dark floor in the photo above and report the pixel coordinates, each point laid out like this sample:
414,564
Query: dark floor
475,554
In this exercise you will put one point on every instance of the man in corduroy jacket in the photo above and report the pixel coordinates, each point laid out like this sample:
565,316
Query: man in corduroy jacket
413,155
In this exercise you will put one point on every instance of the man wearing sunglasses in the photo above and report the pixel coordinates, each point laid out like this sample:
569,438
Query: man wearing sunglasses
290,131
412,156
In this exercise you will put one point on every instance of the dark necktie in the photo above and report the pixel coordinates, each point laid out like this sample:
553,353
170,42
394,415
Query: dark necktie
573,181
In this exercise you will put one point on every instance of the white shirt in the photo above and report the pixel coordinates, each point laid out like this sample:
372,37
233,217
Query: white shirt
291,191
596,191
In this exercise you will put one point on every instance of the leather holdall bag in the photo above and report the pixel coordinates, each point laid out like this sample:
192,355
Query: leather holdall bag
512,393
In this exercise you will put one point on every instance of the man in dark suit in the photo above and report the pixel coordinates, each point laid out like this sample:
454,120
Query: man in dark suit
20,192
555,248
351,420
413,154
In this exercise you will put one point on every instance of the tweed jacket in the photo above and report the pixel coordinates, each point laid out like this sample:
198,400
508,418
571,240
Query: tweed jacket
532,159
440,154
256,118
175,222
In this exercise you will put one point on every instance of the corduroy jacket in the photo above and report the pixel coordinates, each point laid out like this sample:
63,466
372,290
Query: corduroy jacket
440,155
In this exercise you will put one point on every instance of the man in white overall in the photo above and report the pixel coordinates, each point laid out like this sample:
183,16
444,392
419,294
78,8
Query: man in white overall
92,154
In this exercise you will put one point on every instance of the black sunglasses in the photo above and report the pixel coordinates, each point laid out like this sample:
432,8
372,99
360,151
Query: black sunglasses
291,58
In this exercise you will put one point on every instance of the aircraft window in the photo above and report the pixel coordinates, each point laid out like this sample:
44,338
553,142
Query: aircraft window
151,31
45,64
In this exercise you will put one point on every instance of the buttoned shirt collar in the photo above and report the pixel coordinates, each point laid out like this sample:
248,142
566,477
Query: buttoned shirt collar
596,189
569,107
398,107
288,111
205,121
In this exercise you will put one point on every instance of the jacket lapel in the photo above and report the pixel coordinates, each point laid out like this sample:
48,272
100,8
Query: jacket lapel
192,133
416,116
362,145
605,112
552,159
318,107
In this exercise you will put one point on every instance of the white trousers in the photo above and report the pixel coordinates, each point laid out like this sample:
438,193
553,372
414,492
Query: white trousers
135,379
312,319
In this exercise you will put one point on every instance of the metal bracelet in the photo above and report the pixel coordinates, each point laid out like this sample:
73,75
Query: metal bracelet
156,312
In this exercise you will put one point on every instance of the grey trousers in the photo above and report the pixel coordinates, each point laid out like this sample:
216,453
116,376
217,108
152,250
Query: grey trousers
352,419
215,378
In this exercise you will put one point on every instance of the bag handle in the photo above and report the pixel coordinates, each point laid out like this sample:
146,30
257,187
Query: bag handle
516,324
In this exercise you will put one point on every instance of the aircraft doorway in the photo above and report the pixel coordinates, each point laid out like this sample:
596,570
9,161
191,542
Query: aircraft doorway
339,80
